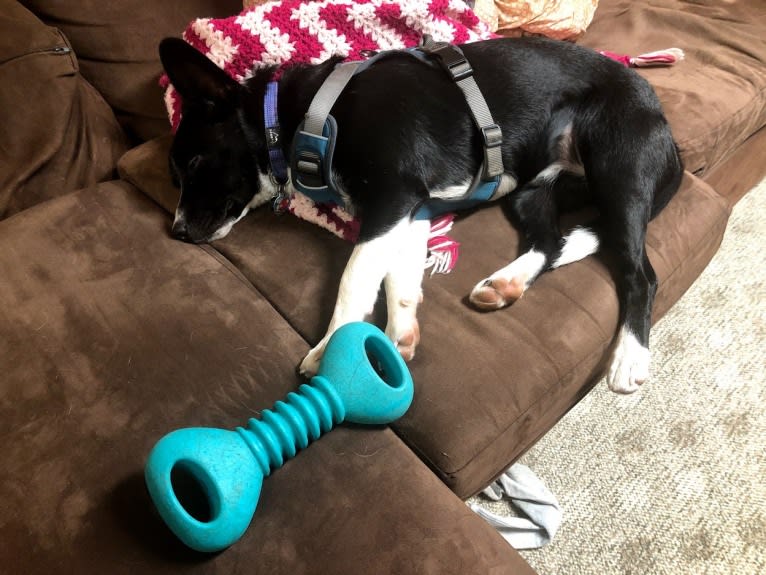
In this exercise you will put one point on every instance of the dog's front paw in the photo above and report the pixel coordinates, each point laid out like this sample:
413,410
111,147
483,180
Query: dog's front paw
310,365
498,292
406,340
630,365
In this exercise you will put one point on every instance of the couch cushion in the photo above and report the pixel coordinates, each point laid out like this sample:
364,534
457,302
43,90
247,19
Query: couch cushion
116,43
147,167
58,133
716,98
111,335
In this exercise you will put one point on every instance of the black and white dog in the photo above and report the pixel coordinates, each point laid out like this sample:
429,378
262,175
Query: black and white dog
577,128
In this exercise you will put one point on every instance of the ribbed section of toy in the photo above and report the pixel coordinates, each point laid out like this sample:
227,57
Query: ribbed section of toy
292,424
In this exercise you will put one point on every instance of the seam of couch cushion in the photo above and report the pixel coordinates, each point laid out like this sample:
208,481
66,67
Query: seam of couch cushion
226,263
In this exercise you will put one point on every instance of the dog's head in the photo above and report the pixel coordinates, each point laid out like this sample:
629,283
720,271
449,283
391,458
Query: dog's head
212,158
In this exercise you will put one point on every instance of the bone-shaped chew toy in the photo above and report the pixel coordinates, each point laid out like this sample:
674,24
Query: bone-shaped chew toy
361,379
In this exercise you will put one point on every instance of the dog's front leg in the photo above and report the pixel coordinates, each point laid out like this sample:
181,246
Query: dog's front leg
369,263
403,288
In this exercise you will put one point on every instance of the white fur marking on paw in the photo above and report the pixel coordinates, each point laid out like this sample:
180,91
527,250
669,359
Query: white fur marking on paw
579,244
630,364
310,364
527,265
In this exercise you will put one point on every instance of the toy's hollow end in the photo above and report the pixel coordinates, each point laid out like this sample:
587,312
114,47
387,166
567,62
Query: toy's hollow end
205,484
387,366
368,374
192,488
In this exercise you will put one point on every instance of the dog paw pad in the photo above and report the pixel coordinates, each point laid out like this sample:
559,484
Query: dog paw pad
495,293
408,341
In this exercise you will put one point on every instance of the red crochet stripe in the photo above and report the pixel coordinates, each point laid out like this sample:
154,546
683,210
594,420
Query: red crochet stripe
307,46
193,39
391,15
336,17
349,229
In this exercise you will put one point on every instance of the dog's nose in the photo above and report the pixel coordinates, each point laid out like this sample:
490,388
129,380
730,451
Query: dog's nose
179,231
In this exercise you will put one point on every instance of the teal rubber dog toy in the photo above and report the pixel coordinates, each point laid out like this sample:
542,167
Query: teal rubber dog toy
361,379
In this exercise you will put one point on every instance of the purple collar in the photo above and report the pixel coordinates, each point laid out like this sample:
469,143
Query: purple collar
274,134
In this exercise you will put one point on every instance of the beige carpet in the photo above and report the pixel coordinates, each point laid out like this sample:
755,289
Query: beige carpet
672,480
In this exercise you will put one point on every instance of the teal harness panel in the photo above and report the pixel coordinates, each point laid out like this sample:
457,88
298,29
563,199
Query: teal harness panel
312,164
481,191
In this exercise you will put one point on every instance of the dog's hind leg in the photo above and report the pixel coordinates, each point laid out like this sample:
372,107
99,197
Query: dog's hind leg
636,280
637,285
369,263
534,211
627,177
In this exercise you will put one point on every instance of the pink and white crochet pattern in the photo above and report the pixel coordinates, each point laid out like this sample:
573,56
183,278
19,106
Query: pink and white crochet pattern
288,32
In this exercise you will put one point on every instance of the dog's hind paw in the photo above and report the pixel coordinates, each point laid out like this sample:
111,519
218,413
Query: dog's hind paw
496,293
508,284
630,364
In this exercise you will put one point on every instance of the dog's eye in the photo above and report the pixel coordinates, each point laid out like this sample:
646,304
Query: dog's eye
194,162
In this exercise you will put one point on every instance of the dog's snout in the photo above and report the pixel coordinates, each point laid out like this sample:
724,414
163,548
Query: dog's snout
179,230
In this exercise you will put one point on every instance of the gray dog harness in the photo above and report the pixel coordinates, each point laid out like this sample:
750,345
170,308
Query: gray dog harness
314,141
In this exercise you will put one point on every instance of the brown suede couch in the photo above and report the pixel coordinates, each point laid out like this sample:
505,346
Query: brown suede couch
112,334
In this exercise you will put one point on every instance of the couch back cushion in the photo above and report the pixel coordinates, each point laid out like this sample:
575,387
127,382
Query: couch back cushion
716,98
116,44
58,133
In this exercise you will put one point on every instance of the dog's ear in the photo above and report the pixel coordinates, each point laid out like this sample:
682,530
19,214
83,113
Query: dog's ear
194,76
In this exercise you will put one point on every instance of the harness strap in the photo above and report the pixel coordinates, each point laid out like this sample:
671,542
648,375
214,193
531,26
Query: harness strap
326,95
454,61
314,142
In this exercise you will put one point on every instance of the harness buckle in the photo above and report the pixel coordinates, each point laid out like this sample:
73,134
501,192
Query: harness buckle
452,59
460,70
493,136
309,166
